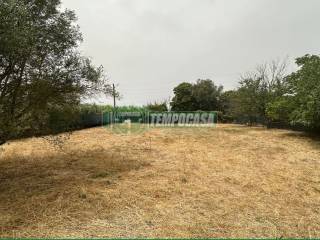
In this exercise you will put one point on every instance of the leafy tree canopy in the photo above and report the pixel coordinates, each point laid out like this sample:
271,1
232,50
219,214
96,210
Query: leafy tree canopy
203,95
41,70
303,94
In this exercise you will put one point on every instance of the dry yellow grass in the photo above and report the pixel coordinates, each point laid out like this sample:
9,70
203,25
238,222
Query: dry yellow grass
231,181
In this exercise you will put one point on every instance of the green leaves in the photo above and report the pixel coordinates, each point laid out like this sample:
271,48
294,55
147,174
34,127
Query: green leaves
305,86
40,67
203,95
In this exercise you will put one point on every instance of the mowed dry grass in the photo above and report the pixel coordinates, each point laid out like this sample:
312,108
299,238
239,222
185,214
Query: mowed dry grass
232,181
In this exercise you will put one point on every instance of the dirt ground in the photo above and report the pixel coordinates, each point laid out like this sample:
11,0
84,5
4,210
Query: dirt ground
230,181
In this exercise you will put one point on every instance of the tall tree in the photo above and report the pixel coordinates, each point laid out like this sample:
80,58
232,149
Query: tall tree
203,95
207,95
41,70
257,89
183,99
304,92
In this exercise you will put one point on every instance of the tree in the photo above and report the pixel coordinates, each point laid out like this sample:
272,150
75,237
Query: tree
252,100
183,99
41,70
304,92
280,110
258,89
207,95
203,95
299,104
229,105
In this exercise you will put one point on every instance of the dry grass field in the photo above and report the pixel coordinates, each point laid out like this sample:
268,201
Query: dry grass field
231,181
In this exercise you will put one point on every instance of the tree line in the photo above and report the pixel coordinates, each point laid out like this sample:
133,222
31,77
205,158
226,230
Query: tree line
266,96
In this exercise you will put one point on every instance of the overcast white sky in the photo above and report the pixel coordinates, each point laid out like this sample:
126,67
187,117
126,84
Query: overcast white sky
150,46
